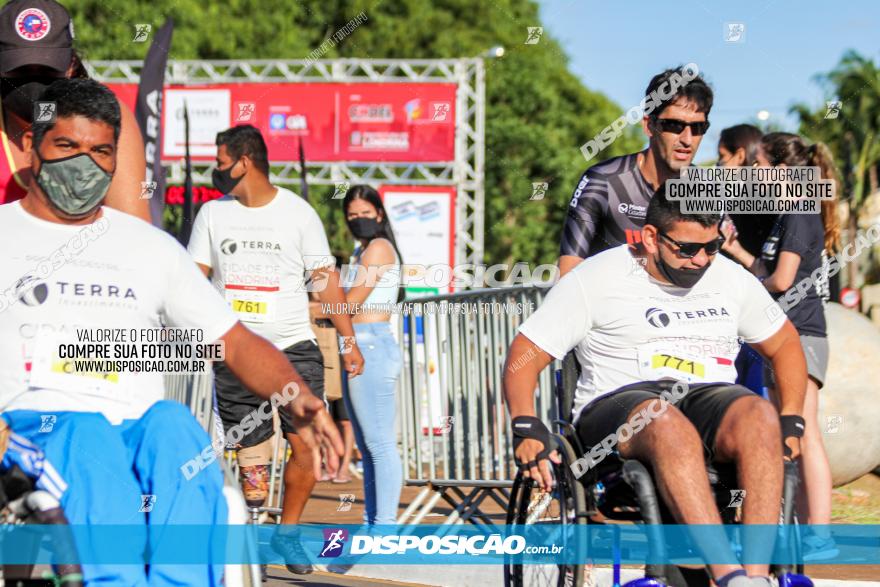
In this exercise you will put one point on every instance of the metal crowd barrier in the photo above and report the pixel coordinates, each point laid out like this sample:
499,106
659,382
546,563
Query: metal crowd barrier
453,428
196,391
455,438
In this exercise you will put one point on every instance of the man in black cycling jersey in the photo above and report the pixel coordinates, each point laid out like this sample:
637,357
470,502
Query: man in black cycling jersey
657,385
610,201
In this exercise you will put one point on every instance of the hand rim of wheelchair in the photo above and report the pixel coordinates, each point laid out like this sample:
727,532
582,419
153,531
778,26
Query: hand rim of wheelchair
520,495
520,501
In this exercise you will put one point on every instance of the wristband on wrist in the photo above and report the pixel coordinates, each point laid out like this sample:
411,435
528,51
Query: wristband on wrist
792,426
533,428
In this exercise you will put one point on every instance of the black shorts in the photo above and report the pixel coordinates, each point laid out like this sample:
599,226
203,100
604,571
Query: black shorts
338,411
704,405
234,401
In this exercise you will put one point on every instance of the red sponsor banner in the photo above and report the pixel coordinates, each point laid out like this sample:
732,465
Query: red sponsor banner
336,122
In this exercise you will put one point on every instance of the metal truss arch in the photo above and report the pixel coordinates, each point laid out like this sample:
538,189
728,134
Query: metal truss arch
466,172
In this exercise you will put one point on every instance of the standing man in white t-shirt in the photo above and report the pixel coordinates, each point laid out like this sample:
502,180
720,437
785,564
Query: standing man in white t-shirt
259,244
71,267
640,326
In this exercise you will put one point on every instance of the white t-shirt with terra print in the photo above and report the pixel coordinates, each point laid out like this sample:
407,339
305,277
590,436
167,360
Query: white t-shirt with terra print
627,327
259,258
116,273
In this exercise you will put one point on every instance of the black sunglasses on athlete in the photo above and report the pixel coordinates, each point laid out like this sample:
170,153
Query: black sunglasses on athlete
691,250
676,126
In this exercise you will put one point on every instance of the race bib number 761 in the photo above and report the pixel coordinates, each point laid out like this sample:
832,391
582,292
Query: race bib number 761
253,303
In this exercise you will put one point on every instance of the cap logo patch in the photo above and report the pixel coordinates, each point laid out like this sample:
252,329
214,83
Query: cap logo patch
32,24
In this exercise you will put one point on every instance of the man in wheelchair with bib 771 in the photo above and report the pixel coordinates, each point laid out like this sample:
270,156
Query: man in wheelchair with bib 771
656,334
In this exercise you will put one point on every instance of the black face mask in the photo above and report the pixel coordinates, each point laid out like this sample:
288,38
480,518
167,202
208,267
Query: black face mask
223,180
364,227
19,94
681,277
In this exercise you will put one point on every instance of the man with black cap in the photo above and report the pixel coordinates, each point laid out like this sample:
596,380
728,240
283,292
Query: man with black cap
70,265
36,48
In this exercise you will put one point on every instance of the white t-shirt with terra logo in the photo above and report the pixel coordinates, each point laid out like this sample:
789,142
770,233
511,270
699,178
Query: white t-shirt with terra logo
628,327
116,273
259,258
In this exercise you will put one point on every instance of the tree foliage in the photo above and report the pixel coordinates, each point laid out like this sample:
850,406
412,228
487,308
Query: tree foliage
853,135
538,113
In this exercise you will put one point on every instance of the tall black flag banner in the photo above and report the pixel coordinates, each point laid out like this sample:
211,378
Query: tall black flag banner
186,224
303,184
148,113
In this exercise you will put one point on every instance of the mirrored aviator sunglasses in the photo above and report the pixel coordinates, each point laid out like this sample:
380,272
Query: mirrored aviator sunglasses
676,126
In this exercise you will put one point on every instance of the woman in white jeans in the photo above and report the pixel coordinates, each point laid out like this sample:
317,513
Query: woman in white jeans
372,286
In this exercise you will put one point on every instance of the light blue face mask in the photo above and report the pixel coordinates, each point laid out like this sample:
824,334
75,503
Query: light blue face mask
76,185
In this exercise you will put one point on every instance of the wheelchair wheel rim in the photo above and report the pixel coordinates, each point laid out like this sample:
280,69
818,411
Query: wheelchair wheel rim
532,507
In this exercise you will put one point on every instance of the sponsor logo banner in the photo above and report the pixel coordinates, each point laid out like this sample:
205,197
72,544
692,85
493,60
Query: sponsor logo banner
411,122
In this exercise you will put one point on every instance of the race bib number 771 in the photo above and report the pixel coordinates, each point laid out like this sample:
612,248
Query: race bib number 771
678,364
658,362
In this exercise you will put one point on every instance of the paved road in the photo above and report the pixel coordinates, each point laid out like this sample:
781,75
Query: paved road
279,577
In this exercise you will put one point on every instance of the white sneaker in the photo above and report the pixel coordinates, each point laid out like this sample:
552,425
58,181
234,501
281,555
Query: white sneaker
339,569
741,581
819,549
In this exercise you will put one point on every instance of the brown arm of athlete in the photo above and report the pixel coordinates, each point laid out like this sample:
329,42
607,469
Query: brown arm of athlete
525,361
783,350
264,370
125,188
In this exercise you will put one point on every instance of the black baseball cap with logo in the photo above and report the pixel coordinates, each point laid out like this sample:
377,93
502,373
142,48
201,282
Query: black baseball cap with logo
35,32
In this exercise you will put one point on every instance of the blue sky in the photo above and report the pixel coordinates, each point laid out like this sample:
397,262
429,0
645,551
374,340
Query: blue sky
616,46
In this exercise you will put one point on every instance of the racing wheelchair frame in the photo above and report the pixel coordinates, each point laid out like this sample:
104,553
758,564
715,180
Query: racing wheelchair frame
21,502
620,490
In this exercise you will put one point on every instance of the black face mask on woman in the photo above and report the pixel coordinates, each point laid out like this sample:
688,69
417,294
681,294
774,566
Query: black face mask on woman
19,94
364,227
